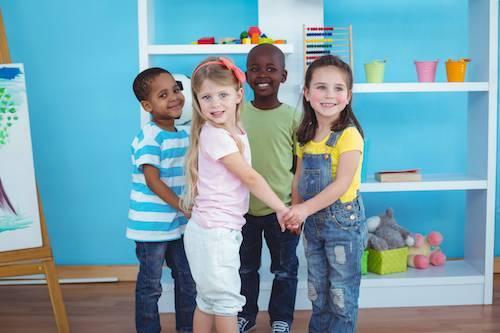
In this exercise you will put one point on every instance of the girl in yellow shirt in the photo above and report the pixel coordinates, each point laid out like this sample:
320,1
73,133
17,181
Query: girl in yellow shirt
325,195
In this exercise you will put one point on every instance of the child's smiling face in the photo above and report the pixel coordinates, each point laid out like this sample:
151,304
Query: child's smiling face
218,103
265,71
328,92
165,100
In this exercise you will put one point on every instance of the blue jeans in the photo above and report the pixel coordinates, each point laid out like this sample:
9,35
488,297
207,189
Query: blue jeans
334,240
148,289
284,266
333,248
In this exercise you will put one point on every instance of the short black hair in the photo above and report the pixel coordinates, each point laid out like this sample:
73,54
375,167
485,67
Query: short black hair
142,82
271,48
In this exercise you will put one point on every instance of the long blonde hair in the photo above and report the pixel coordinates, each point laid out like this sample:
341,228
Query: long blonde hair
214,70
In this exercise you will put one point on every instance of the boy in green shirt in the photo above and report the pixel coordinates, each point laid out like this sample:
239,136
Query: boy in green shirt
270,126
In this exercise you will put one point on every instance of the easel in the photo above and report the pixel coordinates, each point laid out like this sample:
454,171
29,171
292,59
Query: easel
35,260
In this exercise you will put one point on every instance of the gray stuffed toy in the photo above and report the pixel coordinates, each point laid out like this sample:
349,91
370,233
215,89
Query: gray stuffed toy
385,234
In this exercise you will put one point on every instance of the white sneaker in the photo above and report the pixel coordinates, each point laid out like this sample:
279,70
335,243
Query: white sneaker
280,327
244,325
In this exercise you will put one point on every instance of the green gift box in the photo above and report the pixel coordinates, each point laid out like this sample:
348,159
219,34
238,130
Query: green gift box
388,261
364,263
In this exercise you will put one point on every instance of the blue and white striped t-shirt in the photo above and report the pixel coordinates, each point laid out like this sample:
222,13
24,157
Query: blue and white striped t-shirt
150,218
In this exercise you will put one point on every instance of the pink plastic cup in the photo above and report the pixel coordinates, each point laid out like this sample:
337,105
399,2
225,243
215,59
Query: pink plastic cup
426,70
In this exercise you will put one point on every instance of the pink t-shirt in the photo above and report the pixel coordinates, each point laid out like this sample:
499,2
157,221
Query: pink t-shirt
222,198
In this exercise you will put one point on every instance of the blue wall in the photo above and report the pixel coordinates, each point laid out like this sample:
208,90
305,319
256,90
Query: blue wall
406,131
80,60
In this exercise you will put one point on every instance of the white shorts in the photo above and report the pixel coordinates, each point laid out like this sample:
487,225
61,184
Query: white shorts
214,260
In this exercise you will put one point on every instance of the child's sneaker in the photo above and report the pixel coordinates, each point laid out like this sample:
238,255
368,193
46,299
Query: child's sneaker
280,327
245,325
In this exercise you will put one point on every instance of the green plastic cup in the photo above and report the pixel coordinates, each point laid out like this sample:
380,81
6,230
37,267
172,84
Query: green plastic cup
375,71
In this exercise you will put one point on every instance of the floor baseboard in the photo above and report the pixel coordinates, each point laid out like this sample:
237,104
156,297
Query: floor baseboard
121,272
129,272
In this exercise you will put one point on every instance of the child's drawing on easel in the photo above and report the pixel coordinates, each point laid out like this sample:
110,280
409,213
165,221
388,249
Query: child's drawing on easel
19,217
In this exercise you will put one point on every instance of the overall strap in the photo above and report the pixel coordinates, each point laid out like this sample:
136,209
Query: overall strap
334,136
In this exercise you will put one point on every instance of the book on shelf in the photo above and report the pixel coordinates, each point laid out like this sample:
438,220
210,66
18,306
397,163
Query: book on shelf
411,175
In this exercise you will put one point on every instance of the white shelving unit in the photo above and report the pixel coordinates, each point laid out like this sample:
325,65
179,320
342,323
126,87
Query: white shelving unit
273,20
430,182
467,281
409,87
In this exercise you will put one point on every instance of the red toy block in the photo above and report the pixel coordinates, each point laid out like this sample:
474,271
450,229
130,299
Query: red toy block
206,40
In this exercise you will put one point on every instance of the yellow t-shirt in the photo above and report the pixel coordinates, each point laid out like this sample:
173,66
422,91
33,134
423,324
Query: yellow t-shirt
349,140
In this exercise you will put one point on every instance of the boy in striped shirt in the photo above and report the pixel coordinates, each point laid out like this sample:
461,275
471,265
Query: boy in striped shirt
156,220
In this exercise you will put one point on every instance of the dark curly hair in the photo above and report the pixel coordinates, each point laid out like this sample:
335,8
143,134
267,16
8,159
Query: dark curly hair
142,82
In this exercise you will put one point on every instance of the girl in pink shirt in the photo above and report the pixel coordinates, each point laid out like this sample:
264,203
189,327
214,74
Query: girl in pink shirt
219,178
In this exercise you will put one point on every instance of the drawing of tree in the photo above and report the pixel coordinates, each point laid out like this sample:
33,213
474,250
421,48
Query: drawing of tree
10,220
8,116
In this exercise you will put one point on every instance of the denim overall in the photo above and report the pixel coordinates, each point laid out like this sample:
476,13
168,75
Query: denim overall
334,240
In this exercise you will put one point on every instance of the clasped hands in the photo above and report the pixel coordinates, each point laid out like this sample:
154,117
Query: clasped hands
293,217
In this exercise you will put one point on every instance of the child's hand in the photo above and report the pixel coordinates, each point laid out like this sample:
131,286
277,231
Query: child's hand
295,228
294,219
296,215
186,213
280,215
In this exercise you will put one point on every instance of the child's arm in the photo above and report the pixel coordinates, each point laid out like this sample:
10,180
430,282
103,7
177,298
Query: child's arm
155,184
296,198
348,164
237,165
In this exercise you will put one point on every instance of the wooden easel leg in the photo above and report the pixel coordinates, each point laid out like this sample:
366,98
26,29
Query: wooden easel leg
56,297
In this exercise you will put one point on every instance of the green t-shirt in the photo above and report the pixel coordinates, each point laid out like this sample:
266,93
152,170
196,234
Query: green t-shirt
271,134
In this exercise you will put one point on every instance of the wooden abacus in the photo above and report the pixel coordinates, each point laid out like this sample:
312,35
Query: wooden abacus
319,41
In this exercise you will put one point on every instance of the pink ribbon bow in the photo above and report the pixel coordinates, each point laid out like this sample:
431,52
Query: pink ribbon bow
238,73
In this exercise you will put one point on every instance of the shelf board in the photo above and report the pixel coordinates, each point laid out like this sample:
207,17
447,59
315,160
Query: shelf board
401,87
455,283
209,49
429,183
453,272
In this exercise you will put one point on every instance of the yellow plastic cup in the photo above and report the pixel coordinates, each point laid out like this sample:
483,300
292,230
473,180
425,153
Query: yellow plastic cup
374,71
455,70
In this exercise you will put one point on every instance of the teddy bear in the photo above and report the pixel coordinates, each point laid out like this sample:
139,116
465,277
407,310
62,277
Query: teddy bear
426,251
384,233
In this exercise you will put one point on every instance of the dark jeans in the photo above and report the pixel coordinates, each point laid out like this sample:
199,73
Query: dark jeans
284,266
148,289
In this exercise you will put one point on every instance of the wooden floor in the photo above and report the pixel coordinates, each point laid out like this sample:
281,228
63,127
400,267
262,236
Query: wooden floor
109,308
